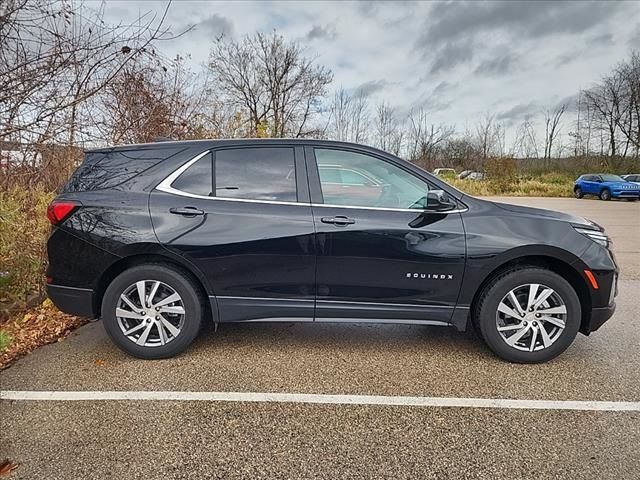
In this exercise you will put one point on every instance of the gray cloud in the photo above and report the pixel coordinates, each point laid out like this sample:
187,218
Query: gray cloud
634,41
369,88
499,65
319,31
518,112
601,40
215,26
453,30
451,55
525,18
444,87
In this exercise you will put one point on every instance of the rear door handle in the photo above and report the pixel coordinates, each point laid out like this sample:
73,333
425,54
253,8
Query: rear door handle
187,211
340,220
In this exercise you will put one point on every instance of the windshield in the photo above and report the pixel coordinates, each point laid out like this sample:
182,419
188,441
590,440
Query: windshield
611,178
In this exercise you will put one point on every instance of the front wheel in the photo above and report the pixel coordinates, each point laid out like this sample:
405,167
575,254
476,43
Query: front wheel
578,192
528,315
152,311
605,195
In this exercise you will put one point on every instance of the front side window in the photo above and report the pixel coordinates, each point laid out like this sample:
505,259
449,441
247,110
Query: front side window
263,173
359,180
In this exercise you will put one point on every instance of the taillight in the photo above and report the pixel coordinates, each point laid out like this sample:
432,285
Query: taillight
59,210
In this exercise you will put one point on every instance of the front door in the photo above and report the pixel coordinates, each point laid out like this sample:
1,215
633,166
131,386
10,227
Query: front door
242,216
381,255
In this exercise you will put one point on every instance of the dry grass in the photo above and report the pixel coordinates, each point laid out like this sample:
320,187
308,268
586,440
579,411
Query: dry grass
545,185
23,231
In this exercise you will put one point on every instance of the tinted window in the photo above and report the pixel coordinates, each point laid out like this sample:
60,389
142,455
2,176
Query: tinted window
102,170
608,177
197,178
256,174
355,179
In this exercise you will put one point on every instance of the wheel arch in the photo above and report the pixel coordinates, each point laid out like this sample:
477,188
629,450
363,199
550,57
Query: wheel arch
137,259
552,263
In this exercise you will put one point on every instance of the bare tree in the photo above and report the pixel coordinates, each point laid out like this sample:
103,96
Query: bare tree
552,120
55,56
385,126
150,99
272,81
629,106
605,99
425,138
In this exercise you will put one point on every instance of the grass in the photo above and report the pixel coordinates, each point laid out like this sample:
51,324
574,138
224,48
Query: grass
5,341
545,185
23,231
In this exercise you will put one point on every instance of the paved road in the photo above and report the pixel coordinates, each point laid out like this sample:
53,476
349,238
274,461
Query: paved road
170,439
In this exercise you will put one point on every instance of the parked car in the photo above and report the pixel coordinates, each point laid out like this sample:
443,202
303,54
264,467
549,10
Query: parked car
464,173
157,239
606,186
475,176
634,177
444,172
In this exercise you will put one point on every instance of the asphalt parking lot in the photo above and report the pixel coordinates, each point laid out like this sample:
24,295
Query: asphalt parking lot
221,439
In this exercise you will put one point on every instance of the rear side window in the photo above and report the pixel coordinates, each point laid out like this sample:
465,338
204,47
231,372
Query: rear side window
104,170
197,179
263,173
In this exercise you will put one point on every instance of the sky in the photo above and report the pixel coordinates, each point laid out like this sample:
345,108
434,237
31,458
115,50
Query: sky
460,61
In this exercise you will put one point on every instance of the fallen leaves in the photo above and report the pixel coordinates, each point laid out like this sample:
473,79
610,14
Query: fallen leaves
39,326
7,467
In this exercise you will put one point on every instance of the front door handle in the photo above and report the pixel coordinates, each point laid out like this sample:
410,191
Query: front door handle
340,220
187,211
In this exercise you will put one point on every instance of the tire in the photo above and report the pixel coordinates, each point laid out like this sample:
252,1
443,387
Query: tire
557,340
605,194
578,192
156,344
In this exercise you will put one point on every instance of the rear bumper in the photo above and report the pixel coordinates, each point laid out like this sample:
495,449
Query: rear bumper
72,300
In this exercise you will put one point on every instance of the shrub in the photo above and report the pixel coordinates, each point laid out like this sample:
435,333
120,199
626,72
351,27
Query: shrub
23,232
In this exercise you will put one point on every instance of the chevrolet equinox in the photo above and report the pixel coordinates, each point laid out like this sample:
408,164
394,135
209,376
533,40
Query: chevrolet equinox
158,238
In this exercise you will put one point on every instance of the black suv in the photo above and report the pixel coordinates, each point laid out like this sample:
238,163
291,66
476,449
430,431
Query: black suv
158,238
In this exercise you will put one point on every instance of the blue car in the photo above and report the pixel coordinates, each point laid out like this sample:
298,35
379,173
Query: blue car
606,186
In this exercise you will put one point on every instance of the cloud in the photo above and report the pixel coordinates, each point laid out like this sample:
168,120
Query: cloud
319,31
367,89
634,41
524,19
499,65
454,33
215,26
521,111
451,55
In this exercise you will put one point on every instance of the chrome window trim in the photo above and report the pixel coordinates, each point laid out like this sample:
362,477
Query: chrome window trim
414,210
165,186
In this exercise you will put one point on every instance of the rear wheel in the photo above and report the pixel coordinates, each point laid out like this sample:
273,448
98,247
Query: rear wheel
152,311
528,315
605,194
578,192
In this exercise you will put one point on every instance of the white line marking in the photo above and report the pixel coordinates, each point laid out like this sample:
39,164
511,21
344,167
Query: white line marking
306,398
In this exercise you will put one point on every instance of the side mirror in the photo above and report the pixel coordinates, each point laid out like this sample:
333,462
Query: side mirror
439,201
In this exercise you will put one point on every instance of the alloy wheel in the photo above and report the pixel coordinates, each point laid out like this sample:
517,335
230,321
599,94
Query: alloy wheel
150,313
531,317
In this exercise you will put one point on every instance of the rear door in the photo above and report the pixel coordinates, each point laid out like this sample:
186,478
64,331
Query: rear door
591,184
381,255
242,216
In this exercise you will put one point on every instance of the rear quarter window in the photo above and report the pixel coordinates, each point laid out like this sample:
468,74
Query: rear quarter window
105,170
